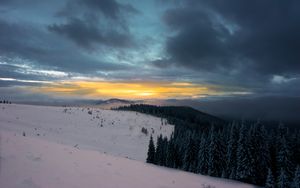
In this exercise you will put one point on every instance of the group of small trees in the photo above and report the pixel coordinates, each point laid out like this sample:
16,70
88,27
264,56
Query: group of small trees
241,152
5,102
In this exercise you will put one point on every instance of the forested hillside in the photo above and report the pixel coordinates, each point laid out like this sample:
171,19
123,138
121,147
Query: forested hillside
242,151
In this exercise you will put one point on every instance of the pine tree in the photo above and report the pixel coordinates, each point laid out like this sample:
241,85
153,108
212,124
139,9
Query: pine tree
283,159
159,151
259,154
203,155
211,151
296,179
151,152
295,147
221,144
216,154
190,158
171,153
231,155
282,181
182,143
243,171
164,151
270,180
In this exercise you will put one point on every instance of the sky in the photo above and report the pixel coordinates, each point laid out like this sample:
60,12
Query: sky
154,49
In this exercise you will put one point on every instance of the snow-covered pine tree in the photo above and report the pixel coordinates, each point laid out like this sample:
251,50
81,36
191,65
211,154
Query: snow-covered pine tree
182,143
282,180
283,159
243,171
295,147
190,158
216,153
231,155
270,183
272,145
259,154
211,153
151,152
159,150
164,151
221,143
296,179
179,142
196,136
203,155
188,155
171,153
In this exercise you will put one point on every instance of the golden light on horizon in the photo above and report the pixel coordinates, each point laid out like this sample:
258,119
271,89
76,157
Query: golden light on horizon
126,90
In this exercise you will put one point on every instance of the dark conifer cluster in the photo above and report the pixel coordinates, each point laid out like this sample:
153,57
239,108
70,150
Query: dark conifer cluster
207,145
241,152
5,102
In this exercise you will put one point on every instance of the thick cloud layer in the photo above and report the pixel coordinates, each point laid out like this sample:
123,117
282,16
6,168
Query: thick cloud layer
249,46
263,36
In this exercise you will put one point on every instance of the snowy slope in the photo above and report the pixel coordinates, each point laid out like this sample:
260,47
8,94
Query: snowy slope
28,162
114,132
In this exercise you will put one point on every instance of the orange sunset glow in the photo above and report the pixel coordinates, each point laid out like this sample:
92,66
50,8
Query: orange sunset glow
134,90
127,90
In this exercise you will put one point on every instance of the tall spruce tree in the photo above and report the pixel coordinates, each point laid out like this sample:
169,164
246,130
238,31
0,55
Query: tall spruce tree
159,153
296,179
221,143
171,153
259,154
216,154
203,156
212,169
190,158
283,159
243,171
270,183
231,155
295,147
164,151
151,152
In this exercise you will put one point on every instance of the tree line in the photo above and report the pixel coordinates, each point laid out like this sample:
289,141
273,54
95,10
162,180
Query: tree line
178,115
5,102
243,152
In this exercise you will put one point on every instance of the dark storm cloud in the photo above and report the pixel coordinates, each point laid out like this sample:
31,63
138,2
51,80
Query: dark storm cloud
109,8
261,35
198,44
85,34
43,49
92,22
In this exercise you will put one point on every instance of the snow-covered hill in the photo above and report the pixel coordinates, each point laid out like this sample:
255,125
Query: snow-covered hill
114,132
51,147
28,162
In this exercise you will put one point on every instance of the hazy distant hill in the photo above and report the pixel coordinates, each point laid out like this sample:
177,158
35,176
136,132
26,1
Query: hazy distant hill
178,115
115,103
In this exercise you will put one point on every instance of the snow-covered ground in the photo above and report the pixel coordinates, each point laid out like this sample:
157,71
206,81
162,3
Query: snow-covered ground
28,162
114,132
68,147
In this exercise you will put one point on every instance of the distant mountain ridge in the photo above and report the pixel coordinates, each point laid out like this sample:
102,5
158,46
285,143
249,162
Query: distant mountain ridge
115,103
115,100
